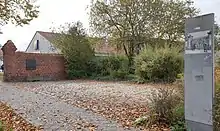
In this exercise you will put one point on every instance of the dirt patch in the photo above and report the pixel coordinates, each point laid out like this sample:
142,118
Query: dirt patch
11,120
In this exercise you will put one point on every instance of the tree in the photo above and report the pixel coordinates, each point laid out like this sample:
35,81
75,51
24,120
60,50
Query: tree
135,23
216,37
73,42
18,12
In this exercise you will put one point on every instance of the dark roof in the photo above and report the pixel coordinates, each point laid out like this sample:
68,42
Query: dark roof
49,35
99,48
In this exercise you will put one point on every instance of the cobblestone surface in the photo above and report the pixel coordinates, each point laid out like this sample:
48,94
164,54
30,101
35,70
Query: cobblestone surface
118,101
91,90
40,104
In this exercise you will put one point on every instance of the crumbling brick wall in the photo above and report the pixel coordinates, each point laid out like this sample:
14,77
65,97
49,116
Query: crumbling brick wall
48,66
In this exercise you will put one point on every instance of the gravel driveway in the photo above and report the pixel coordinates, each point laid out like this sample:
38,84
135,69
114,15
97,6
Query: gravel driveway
86,104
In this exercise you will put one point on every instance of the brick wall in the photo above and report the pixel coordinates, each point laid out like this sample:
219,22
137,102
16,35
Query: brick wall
48,66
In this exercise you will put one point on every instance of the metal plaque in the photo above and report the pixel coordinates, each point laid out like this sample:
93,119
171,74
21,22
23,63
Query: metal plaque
30,64
199,72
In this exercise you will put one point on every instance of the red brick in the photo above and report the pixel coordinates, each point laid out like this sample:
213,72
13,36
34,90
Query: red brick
49,66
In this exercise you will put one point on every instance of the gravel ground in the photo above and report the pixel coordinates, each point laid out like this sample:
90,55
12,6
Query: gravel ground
119,101
41,104
124,92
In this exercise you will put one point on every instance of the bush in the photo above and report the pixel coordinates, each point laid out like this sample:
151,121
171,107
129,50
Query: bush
166,108
164,104
159,64
217,108
113,66
1,126
119,74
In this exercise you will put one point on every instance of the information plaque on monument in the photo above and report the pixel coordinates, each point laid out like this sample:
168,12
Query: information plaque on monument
198,72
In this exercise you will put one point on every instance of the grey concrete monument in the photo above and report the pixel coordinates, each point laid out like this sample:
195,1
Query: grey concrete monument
199,72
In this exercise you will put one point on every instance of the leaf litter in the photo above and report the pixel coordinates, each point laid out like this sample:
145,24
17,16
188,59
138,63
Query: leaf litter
12,121
116,101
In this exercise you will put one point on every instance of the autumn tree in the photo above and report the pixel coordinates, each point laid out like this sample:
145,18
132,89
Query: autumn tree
71,39
17,12
135,23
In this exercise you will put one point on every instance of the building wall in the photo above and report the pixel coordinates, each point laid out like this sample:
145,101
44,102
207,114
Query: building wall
44,45
48,66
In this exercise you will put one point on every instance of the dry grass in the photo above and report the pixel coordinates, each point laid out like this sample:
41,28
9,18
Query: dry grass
217,74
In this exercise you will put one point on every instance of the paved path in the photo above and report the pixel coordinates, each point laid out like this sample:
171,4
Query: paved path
52,114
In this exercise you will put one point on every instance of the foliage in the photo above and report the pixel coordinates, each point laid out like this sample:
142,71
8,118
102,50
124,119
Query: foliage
179,126
217,74
164,103
120,74
133,24
76,48
180,76
142,121
1,126
217,38
95,41
97,66
167,107
159,64
19,12
114,66
217,107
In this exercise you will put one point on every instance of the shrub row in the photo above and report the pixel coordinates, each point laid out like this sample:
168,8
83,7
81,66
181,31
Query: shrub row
113,66
151,65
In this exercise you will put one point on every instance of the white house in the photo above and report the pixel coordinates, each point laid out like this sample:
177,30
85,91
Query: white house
42,42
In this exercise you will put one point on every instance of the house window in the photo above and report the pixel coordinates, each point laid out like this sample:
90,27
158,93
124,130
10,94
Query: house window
30,64
37,45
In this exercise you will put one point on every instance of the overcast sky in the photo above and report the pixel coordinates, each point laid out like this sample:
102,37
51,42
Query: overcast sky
56,12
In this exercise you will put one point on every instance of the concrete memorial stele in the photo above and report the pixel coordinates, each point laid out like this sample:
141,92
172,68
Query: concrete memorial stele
199,72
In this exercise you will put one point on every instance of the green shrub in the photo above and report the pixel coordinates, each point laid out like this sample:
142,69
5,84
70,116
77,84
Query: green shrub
74,72
94,66
119,74
113,66
98,66
178,123
1,126
217,108
167,107
159,64
164,103
180,76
